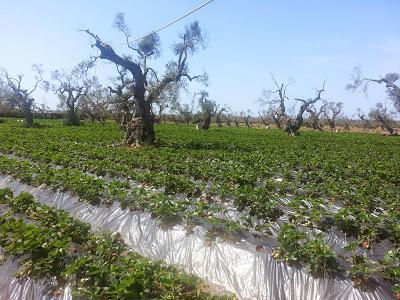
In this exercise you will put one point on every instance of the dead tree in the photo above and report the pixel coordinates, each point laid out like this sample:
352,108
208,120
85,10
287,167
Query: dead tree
263,118
293,125
147,86
235,121
228,119
384,118
246,118
347,123
218,112
18,97
184,112
121,97
208,109
315,116
389,80
71,87
275,99
366,124
95,103
331,112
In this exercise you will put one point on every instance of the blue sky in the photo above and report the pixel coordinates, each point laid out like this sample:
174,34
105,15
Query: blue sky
307,41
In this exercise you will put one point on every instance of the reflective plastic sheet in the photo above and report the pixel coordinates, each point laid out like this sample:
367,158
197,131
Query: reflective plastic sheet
25,289
238,267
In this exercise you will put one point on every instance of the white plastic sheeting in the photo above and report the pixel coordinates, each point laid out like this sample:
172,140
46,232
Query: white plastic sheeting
238,267
25,289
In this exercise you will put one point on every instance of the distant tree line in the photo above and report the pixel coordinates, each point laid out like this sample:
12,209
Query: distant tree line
140,96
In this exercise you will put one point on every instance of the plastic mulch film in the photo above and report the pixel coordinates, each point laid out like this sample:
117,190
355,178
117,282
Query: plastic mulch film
25,289
238,267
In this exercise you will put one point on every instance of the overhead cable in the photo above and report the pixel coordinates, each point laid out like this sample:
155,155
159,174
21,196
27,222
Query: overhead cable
174,21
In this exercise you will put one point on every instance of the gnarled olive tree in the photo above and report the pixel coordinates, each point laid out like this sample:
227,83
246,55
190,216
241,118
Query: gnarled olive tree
390,80
16,96
331,112
147,85
208,109
379,113
366,124
384,117
71,87
314,115
121,97
277,101
94,105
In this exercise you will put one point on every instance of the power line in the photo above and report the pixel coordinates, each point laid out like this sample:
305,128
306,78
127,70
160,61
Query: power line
176,20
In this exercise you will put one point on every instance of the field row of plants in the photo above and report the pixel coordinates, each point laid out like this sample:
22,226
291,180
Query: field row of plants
347,183
49,243
95,190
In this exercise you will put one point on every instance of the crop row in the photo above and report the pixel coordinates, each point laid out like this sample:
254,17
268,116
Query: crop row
95,190
97,266
255,181
324,260
346,182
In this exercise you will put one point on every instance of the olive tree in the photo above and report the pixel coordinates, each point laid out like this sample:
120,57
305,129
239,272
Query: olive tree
278,101
184,112
366,124
15,95
218,113
148,84
384,117
95,103
265,118
71,87
390,81
332,111
168,98
315,114
246,116
121,97
208,109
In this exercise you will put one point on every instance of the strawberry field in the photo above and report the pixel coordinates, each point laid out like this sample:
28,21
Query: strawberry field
323,202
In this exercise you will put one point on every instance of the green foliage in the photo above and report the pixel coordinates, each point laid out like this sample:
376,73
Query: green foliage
191,175
297,246
97,266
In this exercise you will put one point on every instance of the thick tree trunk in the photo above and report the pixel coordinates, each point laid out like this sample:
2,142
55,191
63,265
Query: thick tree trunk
205,125
386,125
277,121
72,118
292,128
28,118
219,122
332,124
26,108
140,129
247,122
315,124
139,132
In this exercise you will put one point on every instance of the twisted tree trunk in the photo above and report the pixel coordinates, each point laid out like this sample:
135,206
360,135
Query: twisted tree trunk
140,129
27,111
72,118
